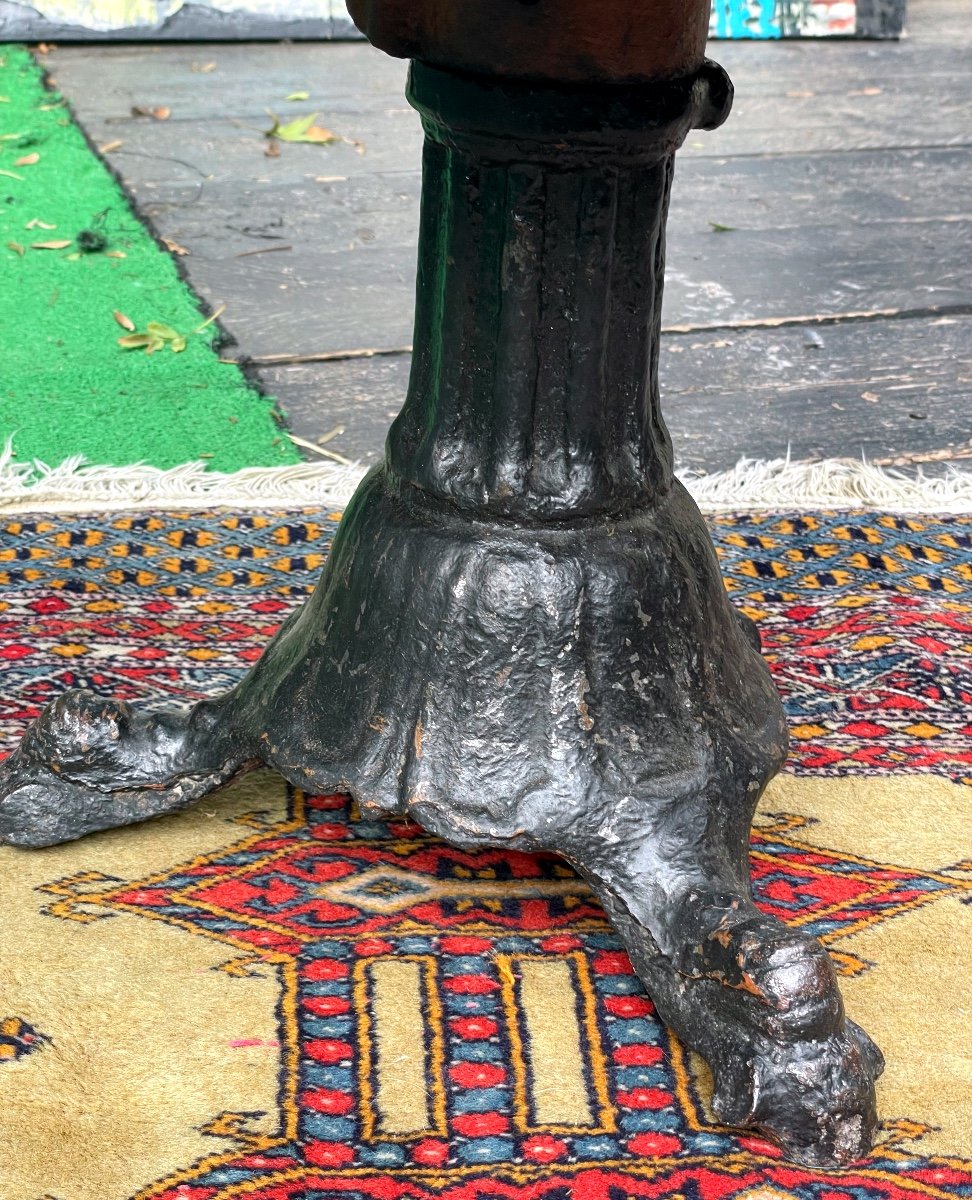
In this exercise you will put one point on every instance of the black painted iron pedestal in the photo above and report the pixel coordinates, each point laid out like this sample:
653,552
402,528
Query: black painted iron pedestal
522,637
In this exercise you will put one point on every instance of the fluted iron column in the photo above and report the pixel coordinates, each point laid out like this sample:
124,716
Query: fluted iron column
521,637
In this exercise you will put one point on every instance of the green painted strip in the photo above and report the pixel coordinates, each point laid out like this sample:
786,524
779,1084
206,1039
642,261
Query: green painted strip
66,387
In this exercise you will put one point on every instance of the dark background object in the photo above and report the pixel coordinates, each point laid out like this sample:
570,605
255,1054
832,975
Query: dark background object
20,21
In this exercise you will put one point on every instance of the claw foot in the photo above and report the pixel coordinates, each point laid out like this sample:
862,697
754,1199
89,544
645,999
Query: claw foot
88,763
814,1098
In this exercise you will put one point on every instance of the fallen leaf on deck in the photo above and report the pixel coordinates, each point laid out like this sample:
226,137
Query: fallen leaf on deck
203,68
159,113
109,146
28,160
298,96
174,247
868,91
717,228
123,321
60,244
870,397
301,129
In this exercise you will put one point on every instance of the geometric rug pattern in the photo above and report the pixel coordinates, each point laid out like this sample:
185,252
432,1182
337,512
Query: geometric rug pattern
271,997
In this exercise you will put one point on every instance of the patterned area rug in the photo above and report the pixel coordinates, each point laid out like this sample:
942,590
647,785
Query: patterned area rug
269,997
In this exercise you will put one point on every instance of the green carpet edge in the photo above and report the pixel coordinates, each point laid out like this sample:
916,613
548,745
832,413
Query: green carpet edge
66,388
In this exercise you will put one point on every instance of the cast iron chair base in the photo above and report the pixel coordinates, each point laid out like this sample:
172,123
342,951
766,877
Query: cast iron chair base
522,637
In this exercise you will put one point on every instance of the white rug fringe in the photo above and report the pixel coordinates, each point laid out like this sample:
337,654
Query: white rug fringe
832,483
838,483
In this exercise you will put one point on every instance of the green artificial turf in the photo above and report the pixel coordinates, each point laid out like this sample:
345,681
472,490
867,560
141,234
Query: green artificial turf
66,386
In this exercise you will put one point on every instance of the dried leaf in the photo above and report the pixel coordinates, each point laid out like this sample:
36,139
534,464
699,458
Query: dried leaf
123,321
174,247
37,223
115,254
109,146
60,244
165,332
16,248
203,68
318,134
868,91
870,397
28,160
298,96
159,113
45,47
301,129
134,341
293,129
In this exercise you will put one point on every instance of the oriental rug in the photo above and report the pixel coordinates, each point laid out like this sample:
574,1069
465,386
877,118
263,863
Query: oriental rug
269,997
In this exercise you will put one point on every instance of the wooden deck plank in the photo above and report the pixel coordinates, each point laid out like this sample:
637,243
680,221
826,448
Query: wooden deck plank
885,390
790,96
809,236
842,172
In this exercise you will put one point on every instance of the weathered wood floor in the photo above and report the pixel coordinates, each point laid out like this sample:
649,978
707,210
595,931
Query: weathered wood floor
833,317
